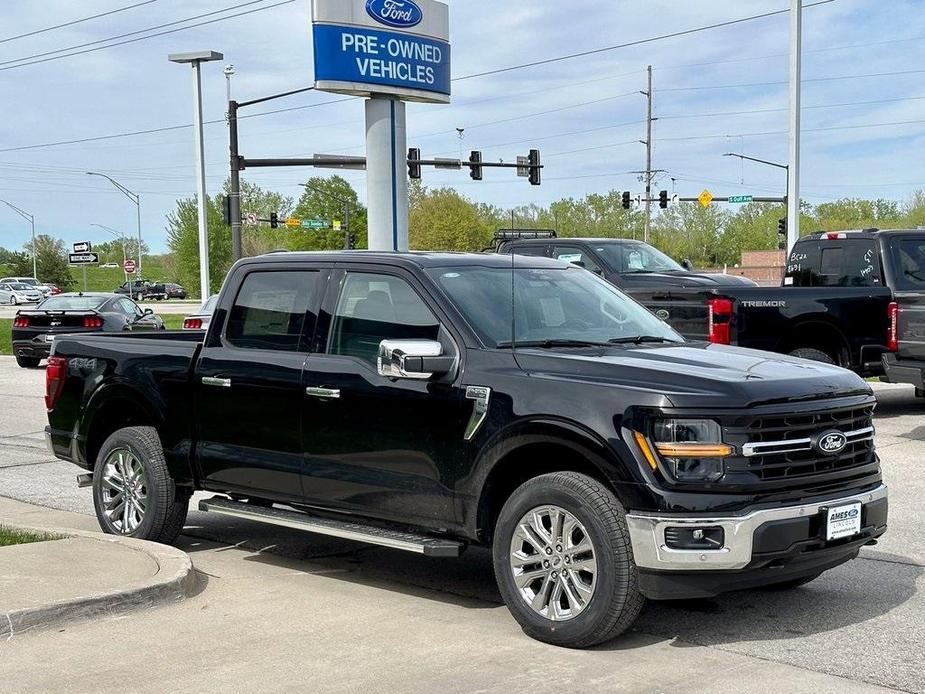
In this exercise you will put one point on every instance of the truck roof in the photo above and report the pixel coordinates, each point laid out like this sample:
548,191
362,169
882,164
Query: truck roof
413,259
857,233
567,240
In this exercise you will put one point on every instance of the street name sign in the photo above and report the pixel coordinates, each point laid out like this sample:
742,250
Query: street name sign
315,224
83,258
738,199
705,198
82,247
129,266
397,48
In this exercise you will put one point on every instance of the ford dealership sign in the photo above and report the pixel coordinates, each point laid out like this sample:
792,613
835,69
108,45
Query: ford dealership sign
397,48
403,14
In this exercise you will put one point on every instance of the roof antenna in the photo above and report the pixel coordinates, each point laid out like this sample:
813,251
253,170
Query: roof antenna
513,313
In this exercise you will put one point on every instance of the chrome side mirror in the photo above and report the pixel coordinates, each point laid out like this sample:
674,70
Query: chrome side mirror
417,359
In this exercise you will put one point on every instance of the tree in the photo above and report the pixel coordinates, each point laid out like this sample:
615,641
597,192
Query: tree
752,228
857,214
51,261
444,220
15,263
690,231
325,198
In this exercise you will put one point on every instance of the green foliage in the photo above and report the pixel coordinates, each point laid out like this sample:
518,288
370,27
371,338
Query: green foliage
51,261
328,198
12,536
858,214
6,336
442,219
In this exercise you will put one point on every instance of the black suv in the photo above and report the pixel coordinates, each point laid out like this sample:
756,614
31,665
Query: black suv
427,402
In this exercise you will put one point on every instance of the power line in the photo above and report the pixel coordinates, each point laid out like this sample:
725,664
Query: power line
638,42
805,108
783,82
150,36
76,21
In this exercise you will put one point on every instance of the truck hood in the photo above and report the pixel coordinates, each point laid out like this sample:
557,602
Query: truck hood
692,279
696,374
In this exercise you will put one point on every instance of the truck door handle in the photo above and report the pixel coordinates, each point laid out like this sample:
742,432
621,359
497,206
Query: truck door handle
220,382
326,393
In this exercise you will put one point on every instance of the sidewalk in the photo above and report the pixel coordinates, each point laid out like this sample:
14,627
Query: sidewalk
351,620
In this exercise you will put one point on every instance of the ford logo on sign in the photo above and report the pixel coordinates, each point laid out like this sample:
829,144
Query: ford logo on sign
830,442
402,14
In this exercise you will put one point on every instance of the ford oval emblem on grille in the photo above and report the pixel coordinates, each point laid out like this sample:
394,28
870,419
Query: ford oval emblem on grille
402,14
830,442
662,314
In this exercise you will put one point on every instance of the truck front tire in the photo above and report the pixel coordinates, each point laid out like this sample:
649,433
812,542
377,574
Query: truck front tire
564,563
133,493
812,355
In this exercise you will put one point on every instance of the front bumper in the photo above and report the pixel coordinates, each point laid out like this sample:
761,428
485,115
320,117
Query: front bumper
754,539
905,371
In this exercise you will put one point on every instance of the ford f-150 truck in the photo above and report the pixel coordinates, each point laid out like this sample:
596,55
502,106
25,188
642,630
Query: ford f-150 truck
835,305
427,402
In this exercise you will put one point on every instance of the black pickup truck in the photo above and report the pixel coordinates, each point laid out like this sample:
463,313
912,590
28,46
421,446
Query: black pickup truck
427,402
836,305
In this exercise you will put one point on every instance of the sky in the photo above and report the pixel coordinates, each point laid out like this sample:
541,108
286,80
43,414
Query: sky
716,91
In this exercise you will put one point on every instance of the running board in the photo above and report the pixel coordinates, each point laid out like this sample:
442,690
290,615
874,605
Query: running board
409,542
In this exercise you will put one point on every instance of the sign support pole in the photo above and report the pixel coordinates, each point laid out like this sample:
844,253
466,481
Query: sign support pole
793,178
201,185
386,177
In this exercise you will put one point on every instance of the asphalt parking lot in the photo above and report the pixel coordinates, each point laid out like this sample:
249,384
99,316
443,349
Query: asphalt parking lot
858,626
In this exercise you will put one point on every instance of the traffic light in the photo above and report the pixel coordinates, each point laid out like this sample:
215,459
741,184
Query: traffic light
663,199
351,242
226,209
414,169
536,173
782,226
475,171
626,199
274,220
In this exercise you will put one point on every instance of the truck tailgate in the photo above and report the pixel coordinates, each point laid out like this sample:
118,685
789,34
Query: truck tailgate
686,312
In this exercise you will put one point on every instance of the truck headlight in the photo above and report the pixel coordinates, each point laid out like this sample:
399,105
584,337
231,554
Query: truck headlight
692,450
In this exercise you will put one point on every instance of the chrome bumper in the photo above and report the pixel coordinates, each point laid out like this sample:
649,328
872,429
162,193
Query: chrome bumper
647,534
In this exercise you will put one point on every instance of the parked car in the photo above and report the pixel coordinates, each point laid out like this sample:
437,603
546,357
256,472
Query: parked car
200,320
16,293
108,266
429,401
140,290
30,281
53,289
175,291
35,330
629,264
844,321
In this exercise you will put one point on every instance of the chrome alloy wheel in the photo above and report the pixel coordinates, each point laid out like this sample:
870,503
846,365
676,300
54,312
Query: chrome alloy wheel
124,490
552,562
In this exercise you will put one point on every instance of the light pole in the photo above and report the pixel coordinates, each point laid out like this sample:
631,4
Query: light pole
763,161
121,239
343,201
195,60
134,197
31,219
229,73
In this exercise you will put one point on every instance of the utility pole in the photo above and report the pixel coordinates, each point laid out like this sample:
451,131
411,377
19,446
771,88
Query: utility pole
648,144
793,183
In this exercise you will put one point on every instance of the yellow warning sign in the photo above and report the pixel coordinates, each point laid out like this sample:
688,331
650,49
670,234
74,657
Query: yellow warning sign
705,198
293,222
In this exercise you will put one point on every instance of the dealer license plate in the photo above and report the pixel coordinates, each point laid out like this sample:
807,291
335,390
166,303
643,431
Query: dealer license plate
843,521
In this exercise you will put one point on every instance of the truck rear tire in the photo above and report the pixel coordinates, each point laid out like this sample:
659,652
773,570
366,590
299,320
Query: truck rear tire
27,362
812,355
133,493
564,563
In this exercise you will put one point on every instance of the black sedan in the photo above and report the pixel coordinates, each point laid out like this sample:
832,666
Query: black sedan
175,291
34,330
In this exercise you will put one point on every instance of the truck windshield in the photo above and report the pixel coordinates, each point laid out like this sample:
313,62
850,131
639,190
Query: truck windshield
627,258
558,306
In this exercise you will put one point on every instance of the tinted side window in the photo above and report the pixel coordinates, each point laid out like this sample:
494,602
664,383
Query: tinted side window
372,308
271,311
577,256
532,249
909,260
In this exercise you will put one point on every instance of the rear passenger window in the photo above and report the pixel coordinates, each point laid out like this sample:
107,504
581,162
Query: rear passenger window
372,308
831,263
271,311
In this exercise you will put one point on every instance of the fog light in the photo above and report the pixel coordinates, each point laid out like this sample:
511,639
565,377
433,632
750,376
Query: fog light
709,537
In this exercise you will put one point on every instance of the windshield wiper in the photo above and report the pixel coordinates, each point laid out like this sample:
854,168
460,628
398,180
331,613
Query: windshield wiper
639,339
546,344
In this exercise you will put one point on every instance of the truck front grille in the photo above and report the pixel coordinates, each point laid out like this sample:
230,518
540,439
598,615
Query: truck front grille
779,449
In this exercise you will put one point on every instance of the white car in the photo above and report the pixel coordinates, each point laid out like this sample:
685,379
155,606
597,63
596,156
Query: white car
15,293
30,281
201,319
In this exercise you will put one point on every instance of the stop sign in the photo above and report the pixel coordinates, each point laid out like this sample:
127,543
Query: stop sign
129,266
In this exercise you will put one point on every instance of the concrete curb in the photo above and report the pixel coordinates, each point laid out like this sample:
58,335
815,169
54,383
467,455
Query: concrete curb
174,581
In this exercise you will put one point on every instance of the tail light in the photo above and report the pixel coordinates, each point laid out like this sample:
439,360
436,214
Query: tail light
192,324
55,375
93,322
720,323
21,322
892,337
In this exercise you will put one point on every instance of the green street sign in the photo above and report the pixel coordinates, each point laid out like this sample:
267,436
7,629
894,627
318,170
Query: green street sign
740,198
315,224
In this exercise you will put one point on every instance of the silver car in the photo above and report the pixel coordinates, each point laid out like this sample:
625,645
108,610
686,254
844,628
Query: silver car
15,293
30,282
201,319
